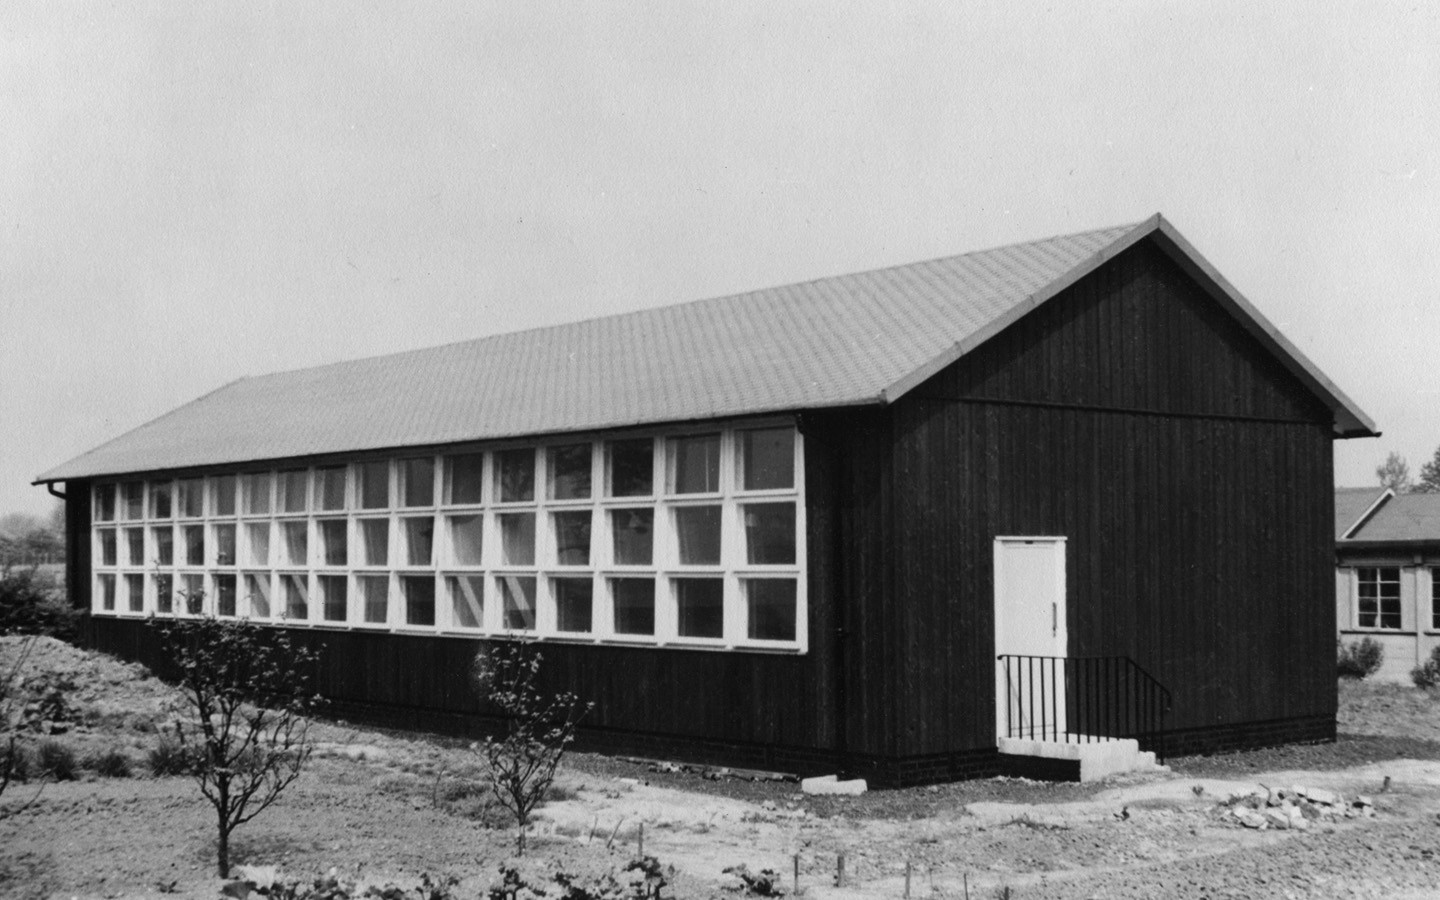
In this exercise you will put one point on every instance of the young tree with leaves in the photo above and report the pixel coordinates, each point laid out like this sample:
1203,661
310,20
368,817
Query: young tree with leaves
241,714
520,766
1394,473
1429,482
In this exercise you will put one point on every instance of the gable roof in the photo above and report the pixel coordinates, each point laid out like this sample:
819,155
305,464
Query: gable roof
848,340
1399,519
1353,506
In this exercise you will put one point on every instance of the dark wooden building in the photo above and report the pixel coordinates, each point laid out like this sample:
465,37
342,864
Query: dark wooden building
834,526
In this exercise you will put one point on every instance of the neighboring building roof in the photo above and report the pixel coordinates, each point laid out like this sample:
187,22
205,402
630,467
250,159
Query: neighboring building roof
1354,505
1400,519
850,340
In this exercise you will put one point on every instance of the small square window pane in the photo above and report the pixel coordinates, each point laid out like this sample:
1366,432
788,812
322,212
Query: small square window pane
257,543
331,533
164,540
700,606
223,487
190,497
517,593
105,503
418,478
164,587
569,468
161,493
464,477
517,539
291,489
257,594
192,592
695,464
107,547
330,488
134,546
135,593
572,537
467,599
193,539
769,533
770,609
465,539
419,541
295,544
297,596
633,531
374,542
132,500
697,532
256,489
767,458
515,474
333,597
105,585
419,592
574,602
631,467
374,484
225,595
634,603
374,597
224,545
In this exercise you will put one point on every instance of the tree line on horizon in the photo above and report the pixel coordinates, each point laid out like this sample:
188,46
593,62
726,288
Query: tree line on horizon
1394,473
26,538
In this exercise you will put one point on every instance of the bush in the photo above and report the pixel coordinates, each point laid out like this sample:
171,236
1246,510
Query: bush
110,764
1359,659
1428,674
168,757
32,603
56,760
21,760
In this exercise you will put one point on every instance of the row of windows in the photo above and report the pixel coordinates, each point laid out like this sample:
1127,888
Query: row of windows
1377,598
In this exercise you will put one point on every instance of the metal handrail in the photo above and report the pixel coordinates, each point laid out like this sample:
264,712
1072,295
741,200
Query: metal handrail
1083,699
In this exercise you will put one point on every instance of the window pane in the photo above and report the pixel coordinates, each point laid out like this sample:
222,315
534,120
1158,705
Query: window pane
374,484
257,594
132,500
190,497
770,609
164,540
192,592
333,599
374,541
193,537
375,596
634,602
700,603
105,503
570,472
1435,598
290,489
634,536
257,539
419,591
419,541
297,596
573,603
695,464
572,537
293,538
256,489
225,595
516,475
223,488
769,533
106,587
418,476
107,547
467,599
160,494
465,539
331,533
135,593
224,545
164,594
518,596
517,539
767,458
330,488
697,530
464,476
632,467
135,546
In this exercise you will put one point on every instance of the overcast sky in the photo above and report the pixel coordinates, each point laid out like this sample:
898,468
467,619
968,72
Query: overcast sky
194,192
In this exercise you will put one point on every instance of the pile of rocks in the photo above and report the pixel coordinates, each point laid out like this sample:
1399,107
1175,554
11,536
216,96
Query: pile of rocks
1296,807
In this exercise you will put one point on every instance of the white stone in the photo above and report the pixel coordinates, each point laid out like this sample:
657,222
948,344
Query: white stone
831,785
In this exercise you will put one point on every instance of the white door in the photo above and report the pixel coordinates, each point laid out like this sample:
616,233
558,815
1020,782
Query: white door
1030,622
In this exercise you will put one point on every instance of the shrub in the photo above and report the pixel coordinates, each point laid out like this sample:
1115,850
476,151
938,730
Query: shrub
21,760
56,760
1427,675
110,764
168,758
32,603
1359,659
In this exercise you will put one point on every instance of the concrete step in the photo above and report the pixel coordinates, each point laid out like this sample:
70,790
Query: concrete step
1079,758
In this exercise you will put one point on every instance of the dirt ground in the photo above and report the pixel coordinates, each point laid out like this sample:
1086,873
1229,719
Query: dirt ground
383,807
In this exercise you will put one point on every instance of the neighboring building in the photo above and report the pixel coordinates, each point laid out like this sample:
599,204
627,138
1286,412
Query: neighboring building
1387,574
789,529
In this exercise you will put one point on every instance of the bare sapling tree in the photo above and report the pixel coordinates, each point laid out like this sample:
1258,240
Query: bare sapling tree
11,709
240,716
520,765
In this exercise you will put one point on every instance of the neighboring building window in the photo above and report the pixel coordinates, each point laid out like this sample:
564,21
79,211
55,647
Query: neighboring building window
1435,598
1378,597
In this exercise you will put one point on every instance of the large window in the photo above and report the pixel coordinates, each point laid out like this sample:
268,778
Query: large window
679,538
1378,597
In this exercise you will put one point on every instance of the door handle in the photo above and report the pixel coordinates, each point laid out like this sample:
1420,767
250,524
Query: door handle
1054,619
